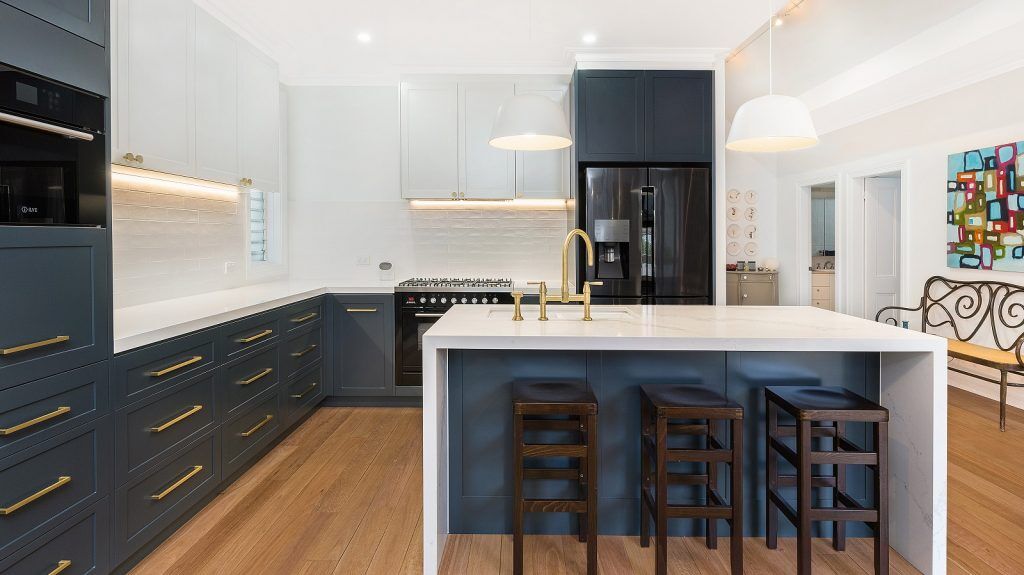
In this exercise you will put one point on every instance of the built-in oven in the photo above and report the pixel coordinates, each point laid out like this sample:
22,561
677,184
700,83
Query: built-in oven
53,159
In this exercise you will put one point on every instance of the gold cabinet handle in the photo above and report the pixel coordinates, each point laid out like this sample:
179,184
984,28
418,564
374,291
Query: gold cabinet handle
257,377
61,482
258,426
361,309
164,426
176,367
304,318
311,387
299,354
26,424
196,469
62,565
255,337
34,345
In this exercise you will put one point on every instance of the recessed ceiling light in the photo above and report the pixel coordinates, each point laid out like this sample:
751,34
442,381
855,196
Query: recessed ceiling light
364,37
589,38
779,21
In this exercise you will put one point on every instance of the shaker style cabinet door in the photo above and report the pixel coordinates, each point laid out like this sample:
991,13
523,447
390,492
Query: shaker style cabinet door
155,119
83,18
216,101
610,121
430,141
680,120
488,173
364,346
259,119
543,175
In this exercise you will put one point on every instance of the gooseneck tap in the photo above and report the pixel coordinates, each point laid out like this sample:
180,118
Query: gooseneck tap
565,296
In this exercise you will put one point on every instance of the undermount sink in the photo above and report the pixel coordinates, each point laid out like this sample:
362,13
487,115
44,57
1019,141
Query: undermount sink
564,313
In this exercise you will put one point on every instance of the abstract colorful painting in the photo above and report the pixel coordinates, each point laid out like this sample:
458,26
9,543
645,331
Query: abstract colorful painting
985,209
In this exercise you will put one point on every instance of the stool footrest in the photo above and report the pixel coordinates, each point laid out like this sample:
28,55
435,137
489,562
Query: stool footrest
851,457
552,424
543,473
554,506
816,481
687,429
718,510
554,450
816,431
700,455
687,479
853,512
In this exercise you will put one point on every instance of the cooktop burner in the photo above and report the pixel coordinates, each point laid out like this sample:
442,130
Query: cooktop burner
455,284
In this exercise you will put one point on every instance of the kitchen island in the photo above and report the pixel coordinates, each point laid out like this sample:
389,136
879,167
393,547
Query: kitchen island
473,353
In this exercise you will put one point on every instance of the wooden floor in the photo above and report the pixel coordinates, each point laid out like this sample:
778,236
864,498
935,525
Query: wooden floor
342,495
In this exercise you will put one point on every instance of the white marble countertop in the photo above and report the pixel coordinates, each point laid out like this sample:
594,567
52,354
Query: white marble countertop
723,328
141,325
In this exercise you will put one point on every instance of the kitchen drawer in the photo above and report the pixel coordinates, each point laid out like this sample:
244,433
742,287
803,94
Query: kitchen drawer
148,429
767,278
821,292
244,436
302,350
54,313
143,372
148,504
823,280
33,412
247,334
82,543
303,314
249,377
823,304
46,484
303,393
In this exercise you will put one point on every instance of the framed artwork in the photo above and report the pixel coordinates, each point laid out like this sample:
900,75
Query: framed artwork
985,209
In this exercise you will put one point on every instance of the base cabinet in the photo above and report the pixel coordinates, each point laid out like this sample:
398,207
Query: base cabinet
364,345
752,288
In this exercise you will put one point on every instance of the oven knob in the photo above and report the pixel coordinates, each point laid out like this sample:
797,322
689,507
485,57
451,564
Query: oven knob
423,300
474,300
444,300
494,300
433,300
464,300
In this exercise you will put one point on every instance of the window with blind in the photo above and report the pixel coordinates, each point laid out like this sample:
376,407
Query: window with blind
258,228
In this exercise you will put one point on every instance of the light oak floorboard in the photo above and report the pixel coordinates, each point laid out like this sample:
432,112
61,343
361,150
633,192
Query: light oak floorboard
342,494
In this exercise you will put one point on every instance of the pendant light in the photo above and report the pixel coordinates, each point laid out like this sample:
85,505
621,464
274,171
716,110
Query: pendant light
772,123
530,122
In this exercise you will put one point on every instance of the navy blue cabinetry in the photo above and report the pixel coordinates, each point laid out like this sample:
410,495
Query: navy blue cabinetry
663,116
82,543
84,18
364,345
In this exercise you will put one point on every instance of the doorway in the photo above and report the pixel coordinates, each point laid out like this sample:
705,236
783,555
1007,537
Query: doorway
823,246
883,242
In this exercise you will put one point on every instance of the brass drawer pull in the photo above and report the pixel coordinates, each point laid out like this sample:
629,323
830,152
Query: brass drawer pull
163,427
258,336
61,482
62,565
258,426
299,354
257,377
311,387
26,424
176,367
304,318
196,469
36,345
361,310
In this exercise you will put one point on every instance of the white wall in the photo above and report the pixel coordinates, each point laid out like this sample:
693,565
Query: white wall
346,206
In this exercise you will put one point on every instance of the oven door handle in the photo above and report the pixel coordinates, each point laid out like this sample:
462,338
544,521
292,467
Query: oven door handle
429,315
45,127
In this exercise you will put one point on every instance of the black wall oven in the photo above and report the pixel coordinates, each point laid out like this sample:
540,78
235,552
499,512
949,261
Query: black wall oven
53,158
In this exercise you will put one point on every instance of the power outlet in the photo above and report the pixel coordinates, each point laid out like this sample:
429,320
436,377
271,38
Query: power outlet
229,267
362,260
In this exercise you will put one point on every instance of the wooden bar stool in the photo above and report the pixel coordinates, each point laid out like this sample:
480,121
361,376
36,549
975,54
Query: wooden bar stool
533,407
837,406
661,406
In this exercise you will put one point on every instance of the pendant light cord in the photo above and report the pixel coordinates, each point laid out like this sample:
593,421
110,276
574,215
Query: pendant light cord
771,51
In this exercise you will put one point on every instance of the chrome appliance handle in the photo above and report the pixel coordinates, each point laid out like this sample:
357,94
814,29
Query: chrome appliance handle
429,315
45,127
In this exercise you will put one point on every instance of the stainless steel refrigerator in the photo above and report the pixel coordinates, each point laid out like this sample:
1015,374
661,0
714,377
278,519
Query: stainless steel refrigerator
652,233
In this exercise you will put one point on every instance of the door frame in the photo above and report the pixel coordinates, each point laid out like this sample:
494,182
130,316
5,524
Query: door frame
803,239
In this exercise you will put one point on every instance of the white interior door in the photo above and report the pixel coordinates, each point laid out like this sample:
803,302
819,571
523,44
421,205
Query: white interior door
881,243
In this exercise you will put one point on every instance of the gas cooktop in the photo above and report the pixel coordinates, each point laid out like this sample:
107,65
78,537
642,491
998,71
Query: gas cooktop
455,285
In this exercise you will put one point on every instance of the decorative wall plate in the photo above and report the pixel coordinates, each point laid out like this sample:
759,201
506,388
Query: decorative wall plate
733,213
750,249
734,231
750,214
733,248
750,197
733,196
750,232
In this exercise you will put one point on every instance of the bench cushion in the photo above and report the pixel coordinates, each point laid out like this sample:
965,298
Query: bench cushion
980,354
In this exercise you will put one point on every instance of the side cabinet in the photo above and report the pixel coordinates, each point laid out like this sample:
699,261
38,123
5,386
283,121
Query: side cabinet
752,288
364,345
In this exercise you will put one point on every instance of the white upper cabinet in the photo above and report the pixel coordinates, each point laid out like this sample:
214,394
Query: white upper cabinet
192,97
259,116
430,140
487,172
155,106
216,101
543,175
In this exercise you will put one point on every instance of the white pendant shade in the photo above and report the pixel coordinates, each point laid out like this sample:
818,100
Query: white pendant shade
530,122
772,124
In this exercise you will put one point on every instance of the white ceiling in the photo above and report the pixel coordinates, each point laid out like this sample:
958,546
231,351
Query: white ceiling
315,40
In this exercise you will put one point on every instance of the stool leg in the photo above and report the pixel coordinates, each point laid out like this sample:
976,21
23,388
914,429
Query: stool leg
592,471
661,498
711,533
645,476
1002,401
581,518
517,497
839,527
882,499
771,512
803,497
736,533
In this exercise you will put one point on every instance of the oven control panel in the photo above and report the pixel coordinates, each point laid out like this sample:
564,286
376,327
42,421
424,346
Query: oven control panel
445,300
